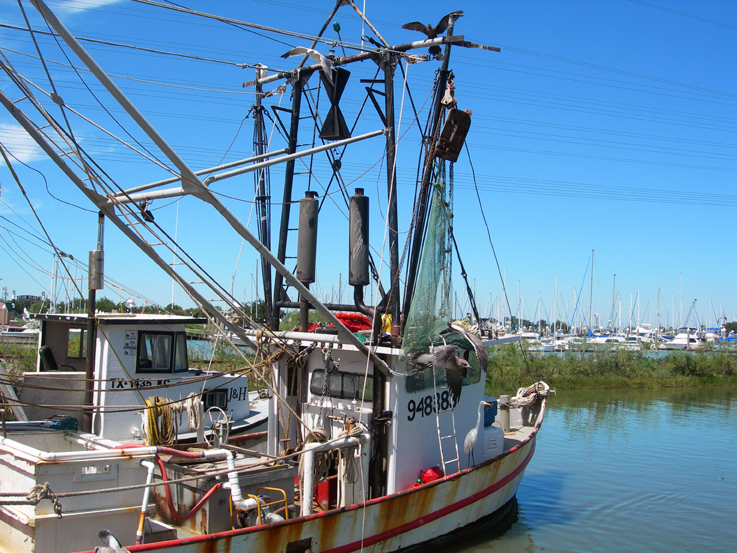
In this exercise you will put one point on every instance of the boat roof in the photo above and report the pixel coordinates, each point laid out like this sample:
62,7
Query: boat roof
119,318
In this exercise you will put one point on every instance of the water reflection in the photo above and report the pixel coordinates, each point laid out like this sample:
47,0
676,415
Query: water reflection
645,470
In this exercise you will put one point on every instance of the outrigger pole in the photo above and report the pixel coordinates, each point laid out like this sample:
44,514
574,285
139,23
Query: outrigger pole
191,184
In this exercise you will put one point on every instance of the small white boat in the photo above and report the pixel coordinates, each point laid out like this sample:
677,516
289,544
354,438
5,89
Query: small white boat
136,358
685,338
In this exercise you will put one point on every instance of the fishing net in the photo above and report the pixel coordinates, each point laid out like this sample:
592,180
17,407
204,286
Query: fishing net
431,306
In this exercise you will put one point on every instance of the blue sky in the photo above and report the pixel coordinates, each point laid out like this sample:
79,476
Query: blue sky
605,126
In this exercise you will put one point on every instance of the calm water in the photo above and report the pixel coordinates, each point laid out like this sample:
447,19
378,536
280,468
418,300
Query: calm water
628,471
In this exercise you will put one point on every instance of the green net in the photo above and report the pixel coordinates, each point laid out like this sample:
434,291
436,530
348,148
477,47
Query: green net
431,306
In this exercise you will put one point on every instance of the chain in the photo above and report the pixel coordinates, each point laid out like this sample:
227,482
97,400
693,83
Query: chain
331,366
294,362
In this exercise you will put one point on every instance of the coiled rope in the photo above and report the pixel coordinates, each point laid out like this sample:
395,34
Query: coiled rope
159,428
347,456
532,394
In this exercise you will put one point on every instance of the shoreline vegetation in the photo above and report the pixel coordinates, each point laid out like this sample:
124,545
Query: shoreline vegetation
510,368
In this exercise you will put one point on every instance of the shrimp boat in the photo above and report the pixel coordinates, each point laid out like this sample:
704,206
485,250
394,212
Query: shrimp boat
380,435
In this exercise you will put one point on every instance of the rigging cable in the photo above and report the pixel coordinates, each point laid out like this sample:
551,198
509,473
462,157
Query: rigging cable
54,95
493,250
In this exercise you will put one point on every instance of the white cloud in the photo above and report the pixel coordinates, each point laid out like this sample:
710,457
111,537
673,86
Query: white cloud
75,6
17,142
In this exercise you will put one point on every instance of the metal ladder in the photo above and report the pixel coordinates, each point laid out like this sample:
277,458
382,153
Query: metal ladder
451,436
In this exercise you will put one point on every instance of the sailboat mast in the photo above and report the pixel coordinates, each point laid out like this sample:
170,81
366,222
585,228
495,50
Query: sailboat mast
657,331
614,287
591,291
555,305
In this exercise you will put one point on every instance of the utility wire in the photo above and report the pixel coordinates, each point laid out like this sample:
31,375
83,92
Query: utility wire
684,14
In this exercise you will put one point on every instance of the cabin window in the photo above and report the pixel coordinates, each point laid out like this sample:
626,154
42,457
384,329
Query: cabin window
342,385
180,353
161,352
422,380
77,343
215,398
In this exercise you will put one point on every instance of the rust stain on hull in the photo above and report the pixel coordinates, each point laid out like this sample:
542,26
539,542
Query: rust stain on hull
403,519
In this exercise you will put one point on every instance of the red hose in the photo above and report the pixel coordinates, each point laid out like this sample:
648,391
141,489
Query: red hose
200,503
169,502
178,453
167,451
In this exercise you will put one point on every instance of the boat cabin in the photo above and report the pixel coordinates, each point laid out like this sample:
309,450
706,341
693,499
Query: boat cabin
336,386
136,357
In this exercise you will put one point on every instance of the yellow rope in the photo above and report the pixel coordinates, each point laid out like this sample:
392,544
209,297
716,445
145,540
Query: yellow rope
160,414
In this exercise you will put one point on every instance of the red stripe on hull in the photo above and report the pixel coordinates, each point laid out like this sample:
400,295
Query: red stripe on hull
426,519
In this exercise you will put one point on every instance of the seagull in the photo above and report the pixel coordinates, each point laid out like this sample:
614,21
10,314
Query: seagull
113,545
473,435
455,367
325,62
261,71
430,31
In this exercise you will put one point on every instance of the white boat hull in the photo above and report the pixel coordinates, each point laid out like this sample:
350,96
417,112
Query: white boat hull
398,521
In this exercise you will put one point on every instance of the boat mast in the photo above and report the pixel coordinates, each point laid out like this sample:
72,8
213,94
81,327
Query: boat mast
388,65
591,291
614,287
657,331
279,294
96,282
263,200
421,205
555,305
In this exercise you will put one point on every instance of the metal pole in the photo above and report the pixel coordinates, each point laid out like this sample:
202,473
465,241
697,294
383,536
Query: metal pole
287,199
391,183
94,282
143,187
263,201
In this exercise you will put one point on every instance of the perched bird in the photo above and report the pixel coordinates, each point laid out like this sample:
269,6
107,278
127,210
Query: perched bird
482,354
325,62
113,545
261,71
473,435
433,32
455,367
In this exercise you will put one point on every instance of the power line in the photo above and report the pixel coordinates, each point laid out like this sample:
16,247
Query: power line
684,14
